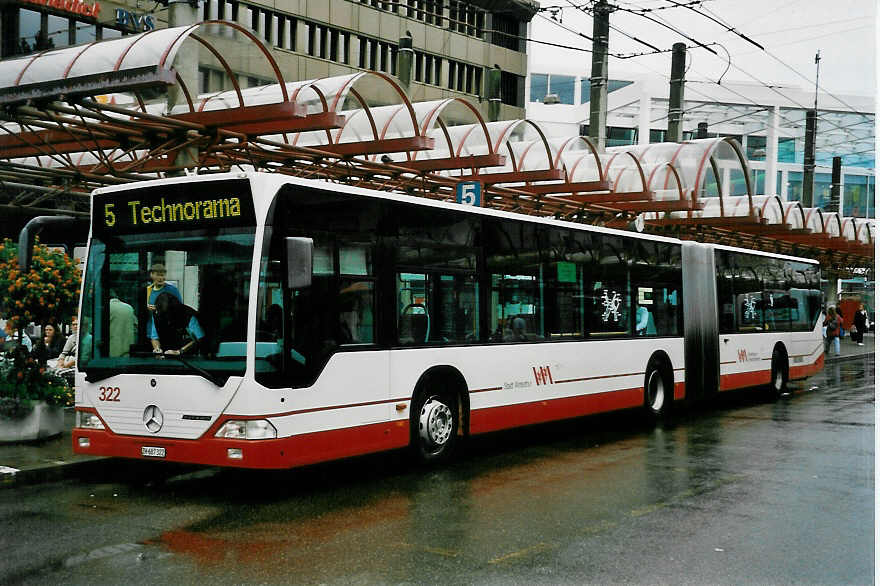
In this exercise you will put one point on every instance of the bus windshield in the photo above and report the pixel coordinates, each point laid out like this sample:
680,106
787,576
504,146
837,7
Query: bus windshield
165,297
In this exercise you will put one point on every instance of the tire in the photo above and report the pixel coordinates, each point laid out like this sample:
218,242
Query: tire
778,374
435,427
658,390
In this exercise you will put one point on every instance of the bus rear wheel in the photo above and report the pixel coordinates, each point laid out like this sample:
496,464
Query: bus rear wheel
658,390
436,427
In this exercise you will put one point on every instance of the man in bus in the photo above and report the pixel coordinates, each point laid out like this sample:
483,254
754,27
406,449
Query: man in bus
158,286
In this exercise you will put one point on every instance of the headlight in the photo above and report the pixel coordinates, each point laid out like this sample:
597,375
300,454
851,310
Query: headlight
252,429
87,420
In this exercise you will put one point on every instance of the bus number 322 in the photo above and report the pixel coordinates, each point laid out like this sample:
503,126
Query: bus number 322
108,394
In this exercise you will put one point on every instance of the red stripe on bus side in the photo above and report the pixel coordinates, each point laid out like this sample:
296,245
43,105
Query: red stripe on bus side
755,378
741,380
298,450
495,418
796,372
679,392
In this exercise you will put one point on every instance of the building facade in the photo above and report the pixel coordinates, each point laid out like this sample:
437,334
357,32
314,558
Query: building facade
455,44
558,99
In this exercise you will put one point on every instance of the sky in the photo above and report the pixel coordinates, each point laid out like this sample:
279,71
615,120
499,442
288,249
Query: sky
790,31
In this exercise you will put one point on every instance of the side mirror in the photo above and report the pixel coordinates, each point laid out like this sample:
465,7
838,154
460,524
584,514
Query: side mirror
299,262
28,235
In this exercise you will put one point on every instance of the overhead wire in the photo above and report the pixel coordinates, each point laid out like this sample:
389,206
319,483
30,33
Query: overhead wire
718,20
768,53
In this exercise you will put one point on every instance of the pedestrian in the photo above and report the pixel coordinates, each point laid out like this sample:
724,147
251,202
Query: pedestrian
158,286
860,321
51,344
67,358
832,331
65,365
123,326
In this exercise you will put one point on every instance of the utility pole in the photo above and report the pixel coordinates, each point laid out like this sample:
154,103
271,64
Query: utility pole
181,13
833,204
404,63
493,90
676,93
599,75
810,145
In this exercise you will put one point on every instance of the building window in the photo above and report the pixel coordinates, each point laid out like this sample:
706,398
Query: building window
855,196
615,136
542,85
513,89
310,38
507,33
563,86
795,190
362,53
657,135
786,152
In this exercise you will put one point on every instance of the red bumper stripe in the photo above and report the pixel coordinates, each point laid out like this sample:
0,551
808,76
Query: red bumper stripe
289,452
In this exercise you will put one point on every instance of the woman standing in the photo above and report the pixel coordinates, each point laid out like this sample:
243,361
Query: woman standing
832,331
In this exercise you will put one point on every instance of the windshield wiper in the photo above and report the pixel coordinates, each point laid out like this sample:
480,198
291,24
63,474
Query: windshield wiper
217,381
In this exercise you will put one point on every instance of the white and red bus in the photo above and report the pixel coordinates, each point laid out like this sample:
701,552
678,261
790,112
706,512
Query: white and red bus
337,321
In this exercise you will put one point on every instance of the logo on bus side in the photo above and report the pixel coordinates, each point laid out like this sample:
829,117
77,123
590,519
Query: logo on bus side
744,356
542,375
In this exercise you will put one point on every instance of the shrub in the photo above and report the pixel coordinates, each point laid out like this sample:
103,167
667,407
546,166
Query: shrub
48,292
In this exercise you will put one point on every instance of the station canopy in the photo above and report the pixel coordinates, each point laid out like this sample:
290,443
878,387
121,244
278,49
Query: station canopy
130,109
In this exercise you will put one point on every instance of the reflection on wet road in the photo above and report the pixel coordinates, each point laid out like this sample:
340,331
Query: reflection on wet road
743,492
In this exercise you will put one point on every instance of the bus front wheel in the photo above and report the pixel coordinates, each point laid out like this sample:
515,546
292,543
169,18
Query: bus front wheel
658,389
436,427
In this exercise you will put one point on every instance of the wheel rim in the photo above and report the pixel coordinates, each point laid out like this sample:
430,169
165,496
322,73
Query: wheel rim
656,391
435,423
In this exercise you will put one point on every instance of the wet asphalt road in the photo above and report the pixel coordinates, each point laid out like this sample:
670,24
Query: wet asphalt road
744,492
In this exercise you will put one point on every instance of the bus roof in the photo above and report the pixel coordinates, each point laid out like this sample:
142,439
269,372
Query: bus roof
276,180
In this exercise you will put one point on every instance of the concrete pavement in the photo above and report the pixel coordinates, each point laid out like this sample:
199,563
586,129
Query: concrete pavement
53,459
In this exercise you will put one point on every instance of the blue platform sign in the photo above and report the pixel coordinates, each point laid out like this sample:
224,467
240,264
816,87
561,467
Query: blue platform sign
468,193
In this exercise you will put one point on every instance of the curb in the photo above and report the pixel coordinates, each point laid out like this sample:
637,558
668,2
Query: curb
850,357
51,472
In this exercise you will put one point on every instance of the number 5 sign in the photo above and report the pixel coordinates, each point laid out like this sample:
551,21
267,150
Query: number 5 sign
468,193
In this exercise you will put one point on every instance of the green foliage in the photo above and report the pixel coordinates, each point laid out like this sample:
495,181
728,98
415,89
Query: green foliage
23,380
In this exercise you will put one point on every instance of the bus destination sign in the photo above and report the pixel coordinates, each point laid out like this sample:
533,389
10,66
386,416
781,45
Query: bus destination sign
173,207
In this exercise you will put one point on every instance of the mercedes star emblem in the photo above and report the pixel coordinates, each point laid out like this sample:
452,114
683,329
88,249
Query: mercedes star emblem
153,418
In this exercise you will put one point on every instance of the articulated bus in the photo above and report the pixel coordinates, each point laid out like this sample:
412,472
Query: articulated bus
333,321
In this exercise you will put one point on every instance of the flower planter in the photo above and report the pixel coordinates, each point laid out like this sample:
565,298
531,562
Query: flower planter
43,422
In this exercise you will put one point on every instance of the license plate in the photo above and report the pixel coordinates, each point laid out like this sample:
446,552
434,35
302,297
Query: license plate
152,452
